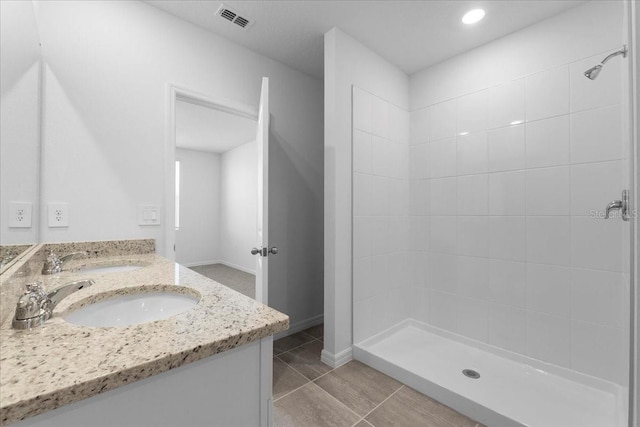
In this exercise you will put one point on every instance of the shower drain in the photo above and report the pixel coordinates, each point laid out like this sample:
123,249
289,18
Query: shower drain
471,374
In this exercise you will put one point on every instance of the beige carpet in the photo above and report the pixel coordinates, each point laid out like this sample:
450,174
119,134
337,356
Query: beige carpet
238,280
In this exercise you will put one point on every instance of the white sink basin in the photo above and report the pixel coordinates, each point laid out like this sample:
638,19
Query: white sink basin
109,269
132,309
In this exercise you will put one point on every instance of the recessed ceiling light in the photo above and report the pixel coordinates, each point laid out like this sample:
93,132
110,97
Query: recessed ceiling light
473,16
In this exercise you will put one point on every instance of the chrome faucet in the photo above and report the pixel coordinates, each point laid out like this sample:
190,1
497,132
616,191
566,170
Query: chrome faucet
35,306
54,264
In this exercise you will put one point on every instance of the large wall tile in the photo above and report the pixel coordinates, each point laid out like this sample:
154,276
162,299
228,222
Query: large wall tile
506,104
506,148
473,277
473,236
473,194
443,234
472,153
472,112
444,199
596,243
507,193
507,327
419,127
548,142
549,338
442,120
596,135
548,191
507,282
549,289
547,93
473,318
442,158
599,297
549,240
507,237
600,351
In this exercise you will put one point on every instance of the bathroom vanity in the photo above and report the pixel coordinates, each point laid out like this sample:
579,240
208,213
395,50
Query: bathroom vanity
207,365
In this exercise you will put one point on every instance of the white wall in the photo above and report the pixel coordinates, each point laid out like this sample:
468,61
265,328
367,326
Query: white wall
515,257
20,116
198,241
347,63
238,206
109,64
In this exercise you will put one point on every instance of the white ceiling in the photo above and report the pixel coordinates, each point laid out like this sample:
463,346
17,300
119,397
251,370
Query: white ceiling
410,34
205,129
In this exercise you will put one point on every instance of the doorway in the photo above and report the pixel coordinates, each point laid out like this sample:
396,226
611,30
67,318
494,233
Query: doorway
214,188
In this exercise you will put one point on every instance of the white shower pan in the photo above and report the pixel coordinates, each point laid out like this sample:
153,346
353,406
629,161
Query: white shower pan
512,390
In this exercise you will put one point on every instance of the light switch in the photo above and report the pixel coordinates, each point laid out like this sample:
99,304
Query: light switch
148,215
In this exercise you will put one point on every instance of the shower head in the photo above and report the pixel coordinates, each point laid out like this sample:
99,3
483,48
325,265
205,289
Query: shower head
593,72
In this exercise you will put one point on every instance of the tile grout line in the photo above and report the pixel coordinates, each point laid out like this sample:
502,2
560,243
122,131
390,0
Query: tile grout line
336,399
303,376
293,348
381,403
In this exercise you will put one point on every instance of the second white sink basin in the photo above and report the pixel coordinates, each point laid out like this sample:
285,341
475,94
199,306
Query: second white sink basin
132,309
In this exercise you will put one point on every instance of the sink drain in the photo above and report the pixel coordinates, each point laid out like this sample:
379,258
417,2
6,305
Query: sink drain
471,374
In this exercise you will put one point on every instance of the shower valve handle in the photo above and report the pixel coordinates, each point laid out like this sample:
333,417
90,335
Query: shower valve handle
621,205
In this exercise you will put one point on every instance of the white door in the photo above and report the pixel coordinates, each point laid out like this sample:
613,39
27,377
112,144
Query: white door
262,249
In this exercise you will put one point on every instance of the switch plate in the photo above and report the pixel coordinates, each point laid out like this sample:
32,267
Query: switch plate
20,214
148,215
58,215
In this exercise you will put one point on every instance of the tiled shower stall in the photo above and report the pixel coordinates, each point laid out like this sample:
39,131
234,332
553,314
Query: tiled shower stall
478,220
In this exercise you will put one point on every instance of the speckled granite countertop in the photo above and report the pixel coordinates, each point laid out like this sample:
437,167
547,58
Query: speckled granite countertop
60,363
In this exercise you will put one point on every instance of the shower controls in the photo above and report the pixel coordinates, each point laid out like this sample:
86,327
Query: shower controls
621,205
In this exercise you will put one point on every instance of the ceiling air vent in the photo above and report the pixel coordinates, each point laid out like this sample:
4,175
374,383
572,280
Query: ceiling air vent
233,16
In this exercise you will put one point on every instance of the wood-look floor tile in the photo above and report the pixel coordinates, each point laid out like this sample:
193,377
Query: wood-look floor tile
290,342
316,331
306,360
310,406
285,379
413,409
358,386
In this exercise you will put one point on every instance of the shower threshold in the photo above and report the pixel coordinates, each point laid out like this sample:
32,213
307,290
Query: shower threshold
509,389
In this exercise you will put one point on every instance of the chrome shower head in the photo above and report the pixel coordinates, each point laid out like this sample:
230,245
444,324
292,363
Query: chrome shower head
593,72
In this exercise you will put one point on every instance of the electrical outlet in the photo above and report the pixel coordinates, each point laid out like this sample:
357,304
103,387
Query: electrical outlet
148,215
58,215
20,214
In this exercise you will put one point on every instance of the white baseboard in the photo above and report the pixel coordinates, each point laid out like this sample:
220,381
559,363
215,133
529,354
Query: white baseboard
198,263
238,267
300,326
336,360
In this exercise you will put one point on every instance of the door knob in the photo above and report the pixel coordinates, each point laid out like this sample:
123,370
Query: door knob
256,251
273,250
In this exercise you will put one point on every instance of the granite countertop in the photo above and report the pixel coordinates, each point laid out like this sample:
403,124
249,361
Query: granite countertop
60,363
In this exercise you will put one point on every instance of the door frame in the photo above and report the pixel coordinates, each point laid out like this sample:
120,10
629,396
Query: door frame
174,94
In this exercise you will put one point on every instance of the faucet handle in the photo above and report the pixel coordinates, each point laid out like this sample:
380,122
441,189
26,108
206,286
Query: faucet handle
31,303
35,287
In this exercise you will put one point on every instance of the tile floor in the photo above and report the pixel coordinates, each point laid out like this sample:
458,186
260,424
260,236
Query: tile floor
308,393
